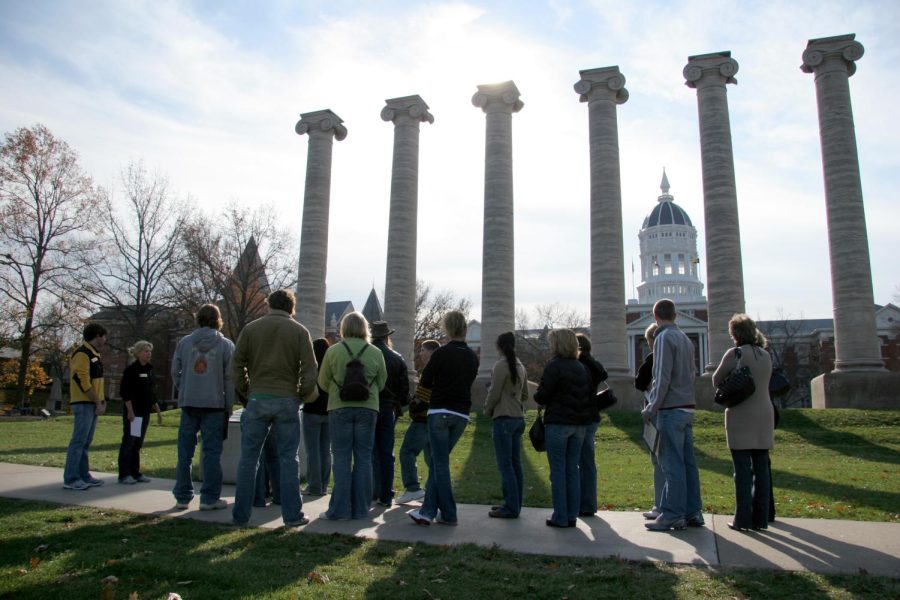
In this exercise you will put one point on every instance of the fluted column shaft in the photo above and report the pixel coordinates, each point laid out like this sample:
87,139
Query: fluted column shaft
855,336
709,74
400,279
498,101
603,89
322,127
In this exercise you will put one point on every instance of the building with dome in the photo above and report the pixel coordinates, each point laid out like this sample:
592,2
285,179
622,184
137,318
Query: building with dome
669,268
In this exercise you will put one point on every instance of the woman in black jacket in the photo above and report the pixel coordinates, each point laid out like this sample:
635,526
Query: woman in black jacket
565,393
587,463
138,398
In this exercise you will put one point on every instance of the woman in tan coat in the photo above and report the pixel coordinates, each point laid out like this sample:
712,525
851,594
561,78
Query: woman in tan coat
749,426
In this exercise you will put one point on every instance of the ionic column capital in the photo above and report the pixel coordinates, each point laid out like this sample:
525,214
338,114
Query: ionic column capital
412,107
321,120
704,70
503,95
603,83
832,53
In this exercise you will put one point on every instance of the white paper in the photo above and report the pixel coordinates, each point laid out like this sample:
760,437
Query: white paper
651,437
136,426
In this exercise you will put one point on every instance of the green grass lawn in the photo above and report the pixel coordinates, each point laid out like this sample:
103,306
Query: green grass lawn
49,552
826,464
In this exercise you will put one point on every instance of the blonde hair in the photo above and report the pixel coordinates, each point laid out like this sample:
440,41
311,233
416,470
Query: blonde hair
650,333
743,331
564,343
454,324
139,347
355,325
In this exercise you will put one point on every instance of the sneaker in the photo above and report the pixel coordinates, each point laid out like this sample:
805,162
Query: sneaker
143,479
76,485
410,496
443,522
662,524
298,523
652,514
217,505
501,513
94,482
418,517
182,505
325,516
128,480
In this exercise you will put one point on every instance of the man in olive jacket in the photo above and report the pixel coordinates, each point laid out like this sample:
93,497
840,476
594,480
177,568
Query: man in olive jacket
275,369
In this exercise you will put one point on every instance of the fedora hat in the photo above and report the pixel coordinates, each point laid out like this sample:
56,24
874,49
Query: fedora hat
380,329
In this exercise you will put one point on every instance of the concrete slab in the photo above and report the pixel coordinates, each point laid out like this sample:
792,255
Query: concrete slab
820,545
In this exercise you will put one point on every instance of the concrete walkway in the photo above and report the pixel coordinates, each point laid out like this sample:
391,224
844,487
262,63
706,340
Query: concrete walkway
820,545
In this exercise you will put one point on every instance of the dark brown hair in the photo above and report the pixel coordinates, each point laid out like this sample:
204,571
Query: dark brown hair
209,316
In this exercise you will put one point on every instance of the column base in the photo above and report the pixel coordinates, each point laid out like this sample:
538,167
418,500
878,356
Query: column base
705,393
839,389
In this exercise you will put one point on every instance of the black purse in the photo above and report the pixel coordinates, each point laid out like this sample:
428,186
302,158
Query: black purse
606,398
737,387
536,434
779,384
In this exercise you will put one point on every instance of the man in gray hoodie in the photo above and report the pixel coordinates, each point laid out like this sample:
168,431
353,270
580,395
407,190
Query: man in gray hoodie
201,370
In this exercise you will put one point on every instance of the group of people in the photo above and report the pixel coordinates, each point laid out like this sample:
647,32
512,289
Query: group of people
352,393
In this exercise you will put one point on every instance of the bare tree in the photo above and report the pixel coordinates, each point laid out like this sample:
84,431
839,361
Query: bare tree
47,205
234,261
532,343
132,268
431,305
801,365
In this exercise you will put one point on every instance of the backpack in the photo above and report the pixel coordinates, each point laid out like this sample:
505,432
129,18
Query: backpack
355,387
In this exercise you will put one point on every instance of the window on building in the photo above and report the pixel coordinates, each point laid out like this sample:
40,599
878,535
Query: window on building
681,264
667,261
655,266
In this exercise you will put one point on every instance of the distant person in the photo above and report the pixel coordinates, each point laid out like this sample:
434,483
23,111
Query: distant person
671,405
353,389
87,402
643,381
201,370
505,406
565,392
391,400
449,375
316,433
139,398
415,440
275,369
587,464
749,426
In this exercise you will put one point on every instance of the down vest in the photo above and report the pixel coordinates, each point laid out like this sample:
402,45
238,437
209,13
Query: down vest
565,392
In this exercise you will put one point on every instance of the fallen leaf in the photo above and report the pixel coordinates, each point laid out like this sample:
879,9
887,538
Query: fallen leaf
64,577
134,596
34,562
186,582
41,548
553,565
110,562
124,540
21,572
316,577
173,596
110,579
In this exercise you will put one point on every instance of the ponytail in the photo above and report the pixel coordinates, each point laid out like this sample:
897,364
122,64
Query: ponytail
506,343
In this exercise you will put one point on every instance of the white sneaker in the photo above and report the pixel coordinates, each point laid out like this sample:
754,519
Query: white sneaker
217,505
76,485
652,514
419,519
410,496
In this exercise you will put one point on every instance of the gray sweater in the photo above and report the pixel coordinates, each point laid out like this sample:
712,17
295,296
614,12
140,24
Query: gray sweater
201,370
673,370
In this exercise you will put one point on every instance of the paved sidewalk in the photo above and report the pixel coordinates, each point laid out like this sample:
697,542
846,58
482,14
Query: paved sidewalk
820,545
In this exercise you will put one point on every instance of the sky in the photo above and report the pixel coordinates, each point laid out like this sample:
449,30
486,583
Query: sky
207,93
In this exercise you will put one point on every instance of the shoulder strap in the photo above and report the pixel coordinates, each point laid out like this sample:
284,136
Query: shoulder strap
350,352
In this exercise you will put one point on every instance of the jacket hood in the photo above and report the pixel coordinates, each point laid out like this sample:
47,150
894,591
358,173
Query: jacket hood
206,338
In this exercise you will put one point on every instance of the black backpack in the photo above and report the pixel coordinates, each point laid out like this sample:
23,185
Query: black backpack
355,387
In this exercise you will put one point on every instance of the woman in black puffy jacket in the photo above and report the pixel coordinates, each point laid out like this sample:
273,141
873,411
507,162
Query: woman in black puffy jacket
565,393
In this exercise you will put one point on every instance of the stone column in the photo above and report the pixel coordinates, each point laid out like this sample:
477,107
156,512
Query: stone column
498,101
400,282
603,89
709,73
322,126
857,347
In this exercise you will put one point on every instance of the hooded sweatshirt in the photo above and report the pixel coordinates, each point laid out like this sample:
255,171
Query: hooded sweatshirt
201,370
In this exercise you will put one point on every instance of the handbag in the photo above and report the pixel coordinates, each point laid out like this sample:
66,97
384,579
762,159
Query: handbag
779,384
606,398
536,434
737,387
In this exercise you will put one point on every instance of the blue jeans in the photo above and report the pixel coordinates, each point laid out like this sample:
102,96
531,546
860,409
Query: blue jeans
77,464
317,440
415,440
587,470
507,433
659,481
383,455
352,440
563,451
268,475
282,416
444,431
751,487
681,495
211,426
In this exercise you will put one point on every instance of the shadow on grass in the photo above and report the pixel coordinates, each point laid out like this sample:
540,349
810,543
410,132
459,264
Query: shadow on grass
94,448
155,556
848,444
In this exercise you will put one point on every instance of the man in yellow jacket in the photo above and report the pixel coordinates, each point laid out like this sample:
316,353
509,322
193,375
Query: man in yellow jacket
87,403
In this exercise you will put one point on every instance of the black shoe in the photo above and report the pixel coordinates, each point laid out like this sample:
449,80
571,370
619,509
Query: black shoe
695,522
501,513
572,523
587,514
734,527
552,524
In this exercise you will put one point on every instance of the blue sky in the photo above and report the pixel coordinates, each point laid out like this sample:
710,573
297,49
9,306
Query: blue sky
208,93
